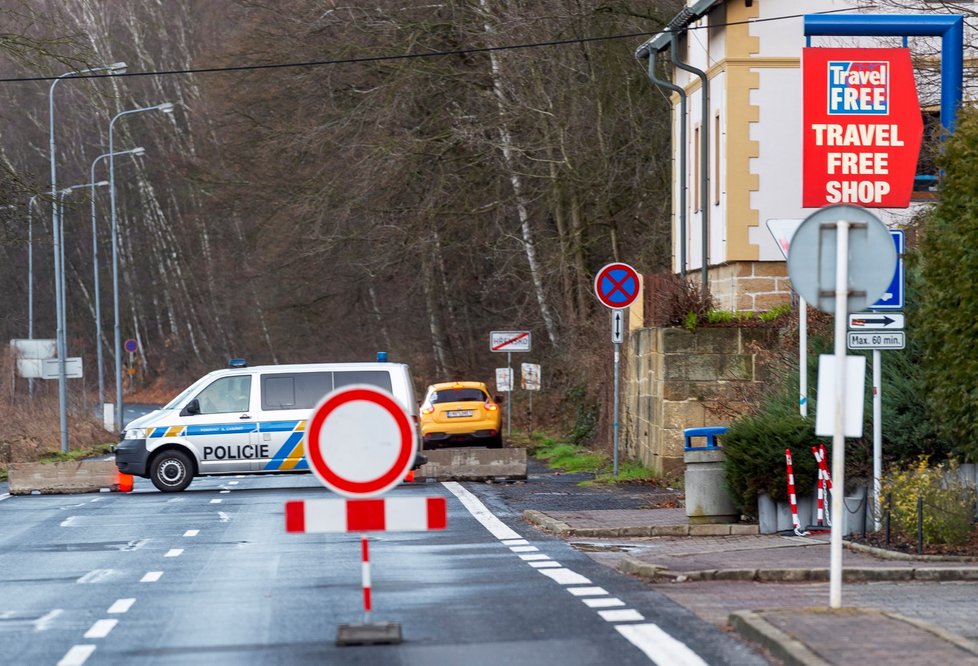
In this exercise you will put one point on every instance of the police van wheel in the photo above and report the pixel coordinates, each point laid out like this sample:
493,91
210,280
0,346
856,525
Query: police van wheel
172,471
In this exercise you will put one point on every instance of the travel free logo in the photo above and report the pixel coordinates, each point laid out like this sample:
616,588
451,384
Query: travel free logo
858,87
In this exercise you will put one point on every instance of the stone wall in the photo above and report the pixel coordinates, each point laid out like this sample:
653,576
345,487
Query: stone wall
670,379
750,286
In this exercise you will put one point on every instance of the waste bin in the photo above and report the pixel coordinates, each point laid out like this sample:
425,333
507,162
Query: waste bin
708,501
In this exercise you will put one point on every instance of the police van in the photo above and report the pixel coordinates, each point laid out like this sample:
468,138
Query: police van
245,420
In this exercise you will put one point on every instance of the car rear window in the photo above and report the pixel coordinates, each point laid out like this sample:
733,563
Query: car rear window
458,395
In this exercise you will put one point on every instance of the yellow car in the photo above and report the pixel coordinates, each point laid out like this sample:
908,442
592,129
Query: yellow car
460,413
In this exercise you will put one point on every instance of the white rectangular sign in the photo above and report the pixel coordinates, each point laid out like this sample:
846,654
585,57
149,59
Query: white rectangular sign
504,379
887,321
876,340
73,368
531,376
34,348
617,325
509,341
855,388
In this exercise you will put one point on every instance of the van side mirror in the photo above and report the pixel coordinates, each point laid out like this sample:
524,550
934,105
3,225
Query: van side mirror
192,408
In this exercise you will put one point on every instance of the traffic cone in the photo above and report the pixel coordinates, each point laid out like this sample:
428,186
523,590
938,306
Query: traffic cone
410,477
124,482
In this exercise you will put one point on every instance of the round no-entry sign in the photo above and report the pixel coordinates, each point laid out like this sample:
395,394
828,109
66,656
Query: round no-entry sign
617,285
360,441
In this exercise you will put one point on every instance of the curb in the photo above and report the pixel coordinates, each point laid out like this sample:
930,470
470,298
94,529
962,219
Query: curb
656,572
752,626
562,529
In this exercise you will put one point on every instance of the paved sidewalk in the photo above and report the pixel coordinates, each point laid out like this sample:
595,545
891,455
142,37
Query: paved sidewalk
773,590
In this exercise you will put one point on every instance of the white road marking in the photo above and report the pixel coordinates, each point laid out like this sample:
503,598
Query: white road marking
479,511
565,576
534,556
603,602
121,606
97,499
151,577
622,615
77,655
191,533
515,542
135,544
233,483
659,646
174,552
45,621
587,591
223,516
216,501
546,564
225,491
67,522
101,629
175,499
523,549
95,576
4,496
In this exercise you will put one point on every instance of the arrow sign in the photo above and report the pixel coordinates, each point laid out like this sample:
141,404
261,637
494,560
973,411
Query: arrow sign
617,325
873,320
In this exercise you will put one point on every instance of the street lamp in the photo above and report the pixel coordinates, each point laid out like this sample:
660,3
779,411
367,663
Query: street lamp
61,342
98,308
30,280
165,107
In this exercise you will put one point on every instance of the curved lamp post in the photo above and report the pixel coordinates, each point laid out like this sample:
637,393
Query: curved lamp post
165,107
98,307
61,342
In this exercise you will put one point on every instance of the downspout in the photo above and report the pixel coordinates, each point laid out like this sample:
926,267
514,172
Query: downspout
704,157
668,85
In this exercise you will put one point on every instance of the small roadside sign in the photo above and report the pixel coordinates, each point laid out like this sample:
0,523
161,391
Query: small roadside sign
892,298
504,380
617,326
530,376
617,285
509,341
131,345
880,340
360,441
890,321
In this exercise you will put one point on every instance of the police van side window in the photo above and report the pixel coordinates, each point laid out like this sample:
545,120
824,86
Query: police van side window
298,390
227,394
378,378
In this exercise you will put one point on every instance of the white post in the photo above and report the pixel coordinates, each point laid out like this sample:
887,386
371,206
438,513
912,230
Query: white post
838,437
877,434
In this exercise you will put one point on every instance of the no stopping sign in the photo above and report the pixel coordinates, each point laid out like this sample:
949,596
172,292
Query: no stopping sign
360,441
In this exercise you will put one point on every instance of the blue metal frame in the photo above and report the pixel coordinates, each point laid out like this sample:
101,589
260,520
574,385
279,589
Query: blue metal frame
949,28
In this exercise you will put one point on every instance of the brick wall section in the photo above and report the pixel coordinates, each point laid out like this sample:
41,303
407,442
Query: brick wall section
750,286
670,376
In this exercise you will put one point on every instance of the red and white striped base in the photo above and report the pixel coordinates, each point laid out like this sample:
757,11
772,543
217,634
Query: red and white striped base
395,514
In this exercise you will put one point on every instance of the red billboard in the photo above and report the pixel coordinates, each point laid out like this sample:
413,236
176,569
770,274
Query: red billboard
861,127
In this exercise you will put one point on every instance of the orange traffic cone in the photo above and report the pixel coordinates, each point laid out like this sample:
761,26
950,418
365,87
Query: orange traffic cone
410,477
124,482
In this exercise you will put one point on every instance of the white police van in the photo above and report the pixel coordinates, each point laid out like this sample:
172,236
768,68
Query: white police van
245,420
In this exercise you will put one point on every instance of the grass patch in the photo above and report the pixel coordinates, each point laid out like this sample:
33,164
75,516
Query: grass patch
574,459
76,454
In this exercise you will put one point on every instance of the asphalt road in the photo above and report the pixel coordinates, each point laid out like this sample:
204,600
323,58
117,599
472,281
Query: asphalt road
210,576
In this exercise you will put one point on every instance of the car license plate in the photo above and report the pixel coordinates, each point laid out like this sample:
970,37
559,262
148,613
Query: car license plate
459,413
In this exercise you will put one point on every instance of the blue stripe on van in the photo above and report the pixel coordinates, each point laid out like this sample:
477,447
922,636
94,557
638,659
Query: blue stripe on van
284,451
221,428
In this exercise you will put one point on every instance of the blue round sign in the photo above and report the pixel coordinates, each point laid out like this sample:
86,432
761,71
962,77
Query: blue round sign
617,285
131,345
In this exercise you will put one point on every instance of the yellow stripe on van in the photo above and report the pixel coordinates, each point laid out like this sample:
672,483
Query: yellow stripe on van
295,457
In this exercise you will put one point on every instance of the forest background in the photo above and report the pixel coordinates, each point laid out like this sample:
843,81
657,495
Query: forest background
409,192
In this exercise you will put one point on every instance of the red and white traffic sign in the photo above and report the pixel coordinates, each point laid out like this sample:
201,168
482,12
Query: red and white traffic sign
862,127
393,514
617,285
509,341
360,441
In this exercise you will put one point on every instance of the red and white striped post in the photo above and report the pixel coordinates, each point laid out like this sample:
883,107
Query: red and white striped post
820,512
791,495
365,576
823,470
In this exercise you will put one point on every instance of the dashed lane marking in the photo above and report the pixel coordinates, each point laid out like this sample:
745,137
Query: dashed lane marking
623,615
77,655
587,591
532,557
523,549
659,646
216,501
191,533
151,577
95,576
546,564
101,629
174,552
603,602
565,576
121,606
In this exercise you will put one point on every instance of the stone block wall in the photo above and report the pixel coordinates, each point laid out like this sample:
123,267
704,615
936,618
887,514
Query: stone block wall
750,286
669,378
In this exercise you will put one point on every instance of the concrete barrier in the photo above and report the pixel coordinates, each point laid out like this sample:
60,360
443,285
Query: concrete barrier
473,464
76,476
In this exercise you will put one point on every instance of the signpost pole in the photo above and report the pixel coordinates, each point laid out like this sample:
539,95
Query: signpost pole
838,436
877,434
615,415
803,357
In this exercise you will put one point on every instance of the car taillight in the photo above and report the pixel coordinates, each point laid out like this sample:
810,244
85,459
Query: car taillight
491,406
427,409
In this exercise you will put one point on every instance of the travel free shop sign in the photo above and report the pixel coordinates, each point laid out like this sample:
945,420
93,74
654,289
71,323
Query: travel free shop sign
862,127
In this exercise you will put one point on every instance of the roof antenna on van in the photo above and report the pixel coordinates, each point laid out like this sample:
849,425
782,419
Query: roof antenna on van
382,357
238,363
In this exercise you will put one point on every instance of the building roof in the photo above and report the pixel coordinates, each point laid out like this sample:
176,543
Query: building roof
678,24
